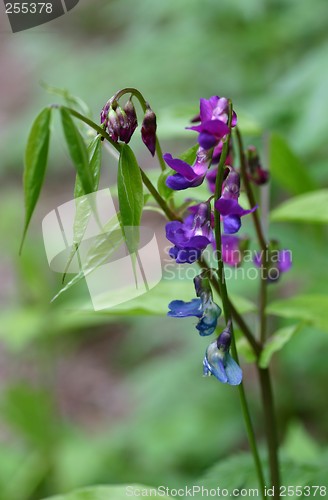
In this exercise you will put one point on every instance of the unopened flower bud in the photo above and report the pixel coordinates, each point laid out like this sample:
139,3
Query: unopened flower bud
224,339
256,172
202,287
113,125
120,122
130,123
104,114
231,188
148,130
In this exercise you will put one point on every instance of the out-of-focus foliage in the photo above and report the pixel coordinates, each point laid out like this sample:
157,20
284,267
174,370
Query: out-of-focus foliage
106,398
270,57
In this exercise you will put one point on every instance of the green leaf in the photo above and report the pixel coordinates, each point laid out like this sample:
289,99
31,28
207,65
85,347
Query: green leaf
277,342
70,100
130,197
36,157
156,300
309,308
104,246
94,154
31,412
235,472
287,169
189,156
120,492
77,150
310,207
299,445
83,206
163,189
244,348
238,473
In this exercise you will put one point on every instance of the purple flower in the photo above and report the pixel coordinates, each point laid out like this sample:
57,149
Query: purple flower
187,176
203,308
211,174
233,249
218,362
129,122
214,118
279,261
191,236
227,205
211,179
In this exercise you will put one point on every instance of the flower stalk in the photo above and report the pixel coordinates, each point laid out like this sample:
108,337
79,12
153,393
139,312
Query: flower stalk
264,374
227,310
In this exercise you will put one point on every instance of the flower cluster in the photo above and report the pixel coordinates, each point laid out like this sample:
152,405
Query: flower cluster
122,122
217,360
213,127
195,232
192,235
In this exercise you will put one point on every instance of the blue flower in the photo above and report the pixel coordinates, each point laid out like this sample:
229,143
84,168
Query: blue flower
207,311
218,362
191,236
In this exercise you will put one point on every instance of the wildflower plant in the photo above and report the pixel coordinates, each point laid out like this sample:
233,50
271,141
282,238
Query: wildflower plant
218,160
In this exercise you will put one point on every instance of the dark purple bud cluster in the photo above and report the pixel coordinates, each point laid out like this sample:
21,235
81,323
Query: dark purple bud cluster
120,122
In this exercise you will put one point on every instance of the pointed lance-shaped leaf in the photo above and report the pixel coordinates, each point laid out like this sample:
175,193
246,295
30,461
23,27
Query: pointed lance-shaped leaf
130,196
36,157
102,248
83,207
77,150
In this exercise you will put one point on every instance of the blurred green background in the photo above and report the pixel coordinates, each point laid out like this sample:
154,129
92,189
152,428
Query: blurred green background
95,398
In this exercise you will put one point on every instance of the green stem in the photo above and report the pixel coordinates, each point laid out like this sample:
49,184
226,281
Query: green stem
264,374
260,236
235,314
227,309
159,154
263,296
161,202
91,124
249,192
270,428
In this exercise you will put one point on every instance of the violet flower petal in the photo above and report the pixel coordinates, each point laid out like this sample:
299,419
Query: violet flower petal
180,166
